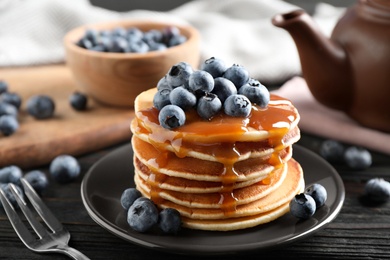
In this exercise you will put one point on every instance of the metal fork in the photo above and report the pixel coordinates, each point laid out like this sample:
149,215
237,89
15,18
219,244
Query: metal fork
55,241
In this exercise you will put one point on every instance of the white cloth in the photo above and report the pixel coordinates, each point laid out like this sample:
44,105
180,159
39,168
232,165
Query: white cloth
238,31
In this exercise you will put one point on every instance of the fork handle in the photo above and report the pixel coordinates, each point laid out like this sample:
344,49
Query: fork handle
70,251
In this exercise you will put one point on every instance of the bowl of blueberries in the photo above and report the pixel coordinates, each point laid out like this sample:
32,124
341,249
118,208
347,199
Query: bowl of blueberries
113,62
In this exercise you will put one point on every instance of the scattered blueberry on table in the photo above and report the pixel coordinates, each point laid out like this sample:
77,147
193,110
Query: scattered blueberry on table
38,180
8,125
377,189
64,168
40,106
10,196
78,101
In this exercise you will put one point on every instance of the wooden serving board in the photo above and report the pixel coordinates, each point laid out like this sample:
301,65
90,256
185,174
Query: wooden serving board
69,131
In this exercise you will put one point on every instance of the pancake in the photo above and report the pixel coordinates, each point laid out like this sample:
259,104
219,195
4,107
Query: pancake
203,170
292,184
242,195
191,186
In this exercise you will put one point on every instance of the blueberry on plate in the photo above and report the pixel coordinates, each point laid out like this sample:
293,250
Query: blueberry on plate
216,67
11,98
237,105
302,206
38,180
171,116
10,196
223,88
237,74
183,98
377,189
64,168
332,151
142,215
318,193
11,174
179,74
208,106
128,197
78,101
40,106
169,221
8,125
256,92
357,158
161,98
201,81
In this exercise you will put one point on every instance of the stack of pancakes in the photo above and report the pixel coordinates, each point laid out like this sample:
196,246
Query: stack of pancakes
224,174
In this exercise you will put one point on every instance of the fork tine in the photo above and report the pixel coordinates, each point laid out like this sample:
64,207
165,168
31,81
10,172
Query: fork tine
39,229
23,233
41,208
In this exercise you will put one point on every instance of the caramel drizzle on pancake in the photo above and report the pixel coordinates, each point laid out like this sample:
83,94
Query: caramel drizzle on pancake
224,131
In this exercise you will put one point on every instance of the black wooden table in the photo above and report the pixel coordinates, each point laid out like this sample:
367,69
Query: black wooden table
360,231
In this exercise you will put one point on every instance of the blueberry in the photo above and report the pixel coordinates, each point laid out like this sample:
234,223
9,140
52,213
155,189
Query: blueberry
37,179
169,32
223,88
40,106
179,74
237,74
169,221
171,116
64,168
183,98
128,197
161,98
332,151
216,67
256,92
201,81
156,46
237,105
119,44
176,40
153,35
92,35
3,86
138,46
78,101
133,33
377,189
10,196
11,98
163,84
357,158
318,193
8,125
119,32
142,215
8,109
11,174
208,106
302,206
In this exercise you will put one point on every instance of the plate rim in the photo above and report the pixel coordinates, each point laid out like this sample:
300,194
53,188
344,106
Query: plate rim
138,240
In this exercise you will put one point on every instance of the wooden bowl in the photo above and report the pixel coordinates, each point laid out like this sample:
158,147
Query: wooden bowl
115,79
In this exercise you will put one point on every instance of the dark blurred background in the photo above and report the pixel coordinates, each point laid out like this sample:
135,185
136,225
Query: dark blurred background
166,5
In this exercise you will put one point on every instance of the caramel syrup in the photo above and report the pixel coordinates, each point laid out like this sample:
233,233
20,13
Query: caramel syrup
276,119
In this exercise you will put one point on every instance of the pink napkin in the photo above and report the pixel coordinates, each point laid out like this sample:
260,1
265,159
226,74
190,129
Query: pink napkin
329,123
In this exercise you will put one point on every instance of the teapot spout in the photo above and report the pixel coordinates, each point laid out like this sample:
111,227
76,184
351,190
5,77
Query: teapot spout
324,63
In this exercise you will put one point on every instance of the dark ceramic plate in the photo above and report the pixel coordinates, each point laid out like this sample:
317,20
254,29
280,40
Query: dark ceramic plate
103,185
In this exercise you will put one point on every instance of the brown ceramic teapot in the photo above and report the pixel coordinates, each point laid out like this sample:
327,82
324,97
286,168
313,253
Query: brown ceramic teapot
351,70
